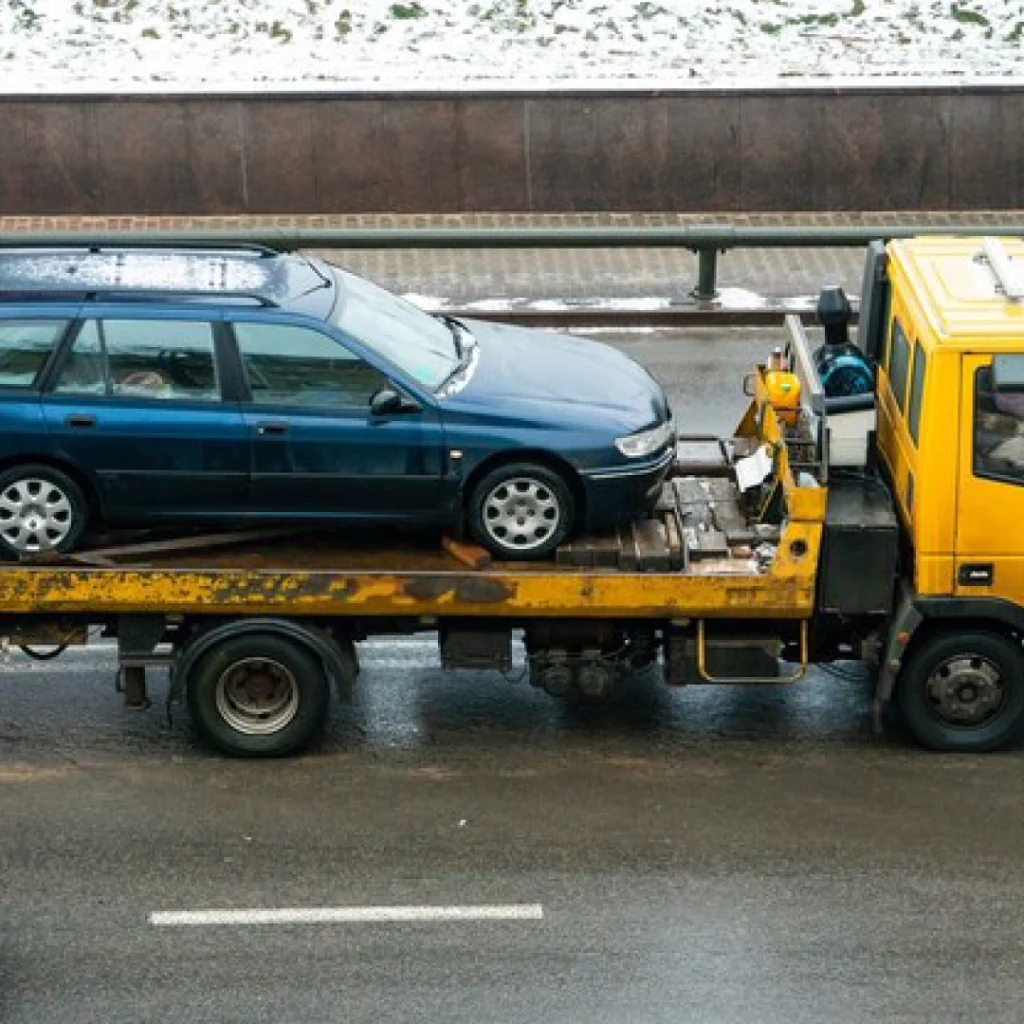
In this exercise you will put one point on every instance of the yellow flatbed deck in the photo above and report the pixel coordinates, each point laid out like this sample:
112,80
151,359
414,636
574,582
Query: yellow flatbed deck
350,581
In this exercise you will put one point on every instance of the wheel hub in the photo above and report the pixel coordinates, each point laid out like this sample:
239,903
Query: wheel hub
966,690
257,696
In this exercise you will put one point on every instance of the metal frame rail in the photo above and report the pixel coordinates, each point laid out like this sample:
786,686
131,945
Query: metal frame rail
707,241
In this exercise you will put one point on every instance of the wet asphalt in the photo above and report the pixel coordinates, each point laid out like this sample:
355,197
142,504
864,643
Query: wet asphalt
708,855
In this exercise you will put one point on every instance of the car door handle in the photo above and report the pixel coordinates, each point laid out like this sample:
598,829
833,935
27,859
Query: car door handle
271,429
81,421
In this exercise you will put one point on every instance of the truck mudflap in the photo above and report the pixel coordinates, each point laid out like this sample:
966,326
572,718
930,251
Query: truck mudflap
904,623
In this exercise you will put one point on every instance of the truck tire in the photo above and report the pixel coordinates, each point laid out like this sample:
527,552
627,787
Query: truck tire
964,691
258,695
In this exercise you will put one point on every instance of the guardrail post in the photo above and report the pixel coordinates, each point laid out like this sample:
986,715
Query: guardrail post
707,273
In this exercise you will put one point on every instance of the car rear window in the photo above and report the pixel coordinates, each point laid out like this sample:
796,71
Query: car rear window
25,346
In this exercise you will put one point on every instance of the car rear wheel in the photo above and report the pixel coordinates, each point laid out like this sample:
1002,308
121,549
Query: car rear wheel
41,509
521,511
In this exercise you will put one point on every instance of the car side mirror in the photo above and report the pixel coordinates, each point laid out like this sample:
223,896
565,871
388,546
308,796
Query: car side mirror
388,402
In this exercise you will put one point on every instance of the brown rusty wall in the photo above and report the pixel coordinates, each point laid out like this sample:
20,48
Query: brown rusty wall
710,150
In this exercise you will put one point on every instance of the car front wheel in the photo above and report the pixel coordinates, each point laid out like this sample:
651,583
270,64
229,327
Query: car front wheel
41,509
521,511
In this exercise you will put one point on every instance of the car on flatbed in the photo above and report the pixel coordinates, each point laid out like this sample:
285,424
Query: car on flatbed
147,386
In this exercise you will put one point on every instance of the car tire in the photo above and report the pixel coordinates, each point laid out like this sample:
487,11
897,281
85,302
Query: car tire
964,691
258,695
41,509
521,511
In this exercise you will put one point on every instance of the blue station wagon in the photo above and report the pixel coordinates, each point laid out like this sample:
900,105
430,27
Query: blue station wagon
157,386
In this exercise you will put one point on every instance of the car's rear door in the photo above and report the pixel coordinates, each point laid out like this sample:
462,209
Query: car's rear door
316,447
138,404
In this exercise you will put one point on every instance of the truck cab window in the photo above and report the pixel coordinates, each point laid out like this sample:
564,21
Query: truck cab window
916,393
999,420
899,364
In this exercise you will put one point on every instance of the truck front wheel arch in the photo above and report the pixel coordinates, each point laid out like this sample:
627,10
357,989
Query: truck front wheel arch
961,688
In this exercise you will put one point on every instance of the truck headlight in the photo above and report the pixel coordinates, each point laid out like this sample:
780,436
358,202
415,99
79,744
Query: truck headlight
636,446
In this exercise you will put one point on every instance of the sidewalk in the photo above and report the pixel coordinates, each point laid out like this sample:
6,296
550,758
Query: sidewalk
577,277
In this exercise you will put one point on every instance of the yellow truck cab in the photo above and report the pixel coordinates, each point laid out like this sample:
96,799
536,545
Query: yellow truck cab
944,317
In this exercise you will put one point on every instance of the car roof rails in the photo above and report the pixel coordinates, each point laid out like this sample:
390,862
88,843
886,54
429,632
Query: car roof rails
148,294
111,245
93,274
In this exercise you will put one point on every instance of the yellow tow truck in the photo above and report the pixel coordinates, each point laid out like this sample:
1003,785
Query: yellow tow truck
877,527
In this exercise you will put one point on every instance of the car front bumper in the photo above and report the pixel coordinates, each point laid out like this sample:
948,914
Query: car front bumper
622,494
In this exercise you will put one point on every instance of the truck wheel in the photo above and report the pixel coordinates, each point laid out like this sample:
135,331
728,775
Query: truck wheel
964,692
521,511
258,695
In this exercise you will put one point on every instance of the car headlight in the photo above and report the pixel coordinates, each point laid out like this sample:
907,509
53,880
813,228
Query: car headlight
636,446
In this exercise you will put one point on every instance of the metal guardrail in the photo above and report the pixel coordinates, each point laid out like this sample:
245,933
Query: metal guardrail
707,241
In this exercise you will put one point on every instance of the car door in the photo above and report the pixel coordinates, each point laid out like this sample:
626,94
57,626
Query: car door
27,344
137,404
316,447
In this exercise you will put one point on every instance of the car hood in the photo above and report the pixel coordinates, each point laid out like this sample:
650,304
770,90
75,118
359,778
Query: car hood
565,374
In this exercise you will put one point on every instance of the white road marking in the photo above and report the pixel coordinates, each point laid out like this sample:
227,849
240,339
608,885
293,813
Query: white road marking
349,915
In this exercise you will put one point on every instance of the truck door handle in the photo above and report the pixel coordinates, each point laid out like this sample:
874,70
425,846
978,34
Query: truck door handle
976,574
271,429
81,421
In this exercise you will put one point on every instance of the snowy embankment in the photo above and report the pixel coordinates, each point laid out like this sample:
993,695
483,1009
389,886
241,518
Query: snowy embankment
194,44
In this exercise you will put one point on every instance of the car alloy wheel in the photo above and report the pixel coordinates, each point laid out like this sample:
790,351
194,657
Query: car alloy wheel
522,513
40,510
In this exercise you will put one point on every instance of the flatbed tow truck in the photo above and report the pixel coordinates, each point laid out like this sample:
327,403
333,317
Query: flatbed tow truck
769,551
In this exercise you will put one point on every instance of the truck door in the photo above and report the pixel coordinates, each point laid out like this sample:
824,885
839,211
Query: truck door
990,507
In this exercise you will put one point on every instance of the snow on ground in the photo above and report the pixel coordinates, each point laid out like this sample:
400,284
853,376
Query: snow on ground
76,44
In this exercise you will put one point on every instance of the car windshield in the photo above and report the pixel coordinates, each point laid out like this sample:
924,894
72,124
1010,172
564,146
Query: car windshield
414,341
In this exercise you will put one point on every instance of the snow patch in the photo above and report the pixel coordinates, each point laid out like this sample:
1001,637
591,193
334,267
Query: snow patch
57,45
429,303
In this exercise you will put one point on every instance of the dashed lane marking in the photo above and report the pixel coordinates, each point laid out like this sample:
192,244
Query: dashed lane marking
349,915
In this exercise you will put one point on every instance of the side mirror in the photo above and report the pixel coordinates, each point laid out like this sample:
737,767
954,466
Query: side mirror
388,402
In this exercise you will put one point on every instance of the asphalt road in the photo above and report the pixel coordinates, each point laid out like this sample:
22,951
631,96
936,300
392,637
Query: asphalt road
706,855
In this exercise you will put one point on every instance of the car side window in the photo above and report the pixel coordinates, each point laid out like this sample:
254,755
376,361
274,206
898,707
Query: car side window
297,366
165,359
999,424
25,346
160,359
83,371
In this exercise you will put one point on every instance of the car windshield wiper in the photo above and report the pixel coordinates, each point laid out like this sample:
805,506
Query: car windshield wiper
459,333
465,349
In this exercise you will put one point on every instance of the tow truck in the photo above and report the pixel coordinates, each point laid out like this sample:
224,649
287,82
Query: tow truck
878,527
